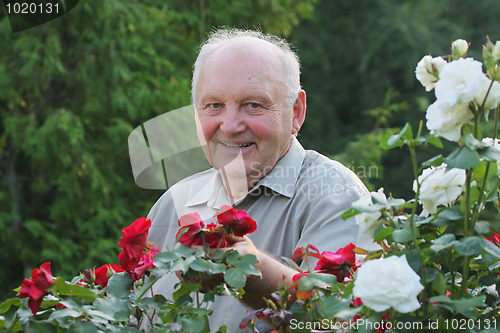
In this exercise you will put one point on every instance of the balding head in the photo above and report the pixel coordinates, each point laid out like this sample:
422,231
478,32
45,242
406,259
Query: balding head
268,46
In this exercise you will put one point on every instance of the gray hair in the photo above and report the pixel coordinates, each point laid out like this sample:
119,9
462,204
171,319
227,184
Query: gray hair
290,59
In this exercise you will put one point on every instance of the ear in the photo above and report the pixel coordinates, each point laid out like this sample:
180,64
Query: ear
299,112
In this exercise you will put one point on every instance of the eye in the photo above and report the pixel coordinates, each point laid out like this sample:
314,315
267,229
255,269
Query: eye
254,105
215,106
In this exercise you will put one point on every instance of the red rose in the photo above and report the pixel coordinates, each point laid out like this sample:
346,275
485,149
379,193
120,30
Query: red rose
192,223
239,221
134,238
341,263
35,288
103,273
215,237
145,263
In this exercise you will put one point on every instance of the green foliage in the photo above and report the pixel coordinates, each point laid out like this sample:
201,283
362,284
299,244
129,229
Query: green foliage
125,304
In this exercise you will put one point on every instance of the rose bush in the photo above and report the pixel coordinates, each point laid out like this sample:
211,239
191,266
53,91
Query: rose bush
438,260
115,298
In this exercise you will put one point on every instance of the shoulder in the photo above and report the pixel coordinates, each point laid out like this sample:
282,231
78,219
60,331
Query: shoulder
326,176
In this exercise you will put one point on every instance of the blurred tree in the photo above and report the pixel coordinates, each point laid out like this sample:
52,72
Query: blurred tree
71,91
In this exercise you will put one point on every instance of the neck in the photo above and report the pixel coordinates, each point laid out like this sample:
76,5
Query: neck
236,186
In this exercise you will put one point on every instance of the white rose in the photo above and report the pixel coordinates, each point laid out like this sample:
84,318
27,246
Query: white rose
369,206
388,282
427,71
447,121
439,187
459,48
496,50
459,81
493,95
368,220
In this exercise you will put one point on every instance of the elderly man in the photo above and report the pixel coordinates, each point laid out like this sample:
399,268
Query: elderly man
249,108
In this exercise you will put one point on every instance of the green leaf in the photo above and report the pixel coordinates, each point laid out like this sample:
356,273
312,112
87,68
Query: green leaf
194,323
390,141
439,284
149,282
233,257
64,313
452,213
482,227
469,246
42,327
316,280
166,256
200,265
383,233
443,242
490,247
333,305
186,289
466,306
120,284
249,259
402,235
406,133
115,307
99,314
215,268
64,288
480,171
462,158
186,251
397,140
435,141
246,264
5,306
493,186
82,327
235,278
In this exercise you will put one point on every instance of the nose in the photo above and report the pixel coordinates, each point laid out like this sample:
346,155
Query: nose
232,121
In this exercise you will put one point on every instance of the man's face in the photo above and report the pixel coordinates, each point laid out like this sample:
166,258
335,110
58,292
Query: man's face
241,105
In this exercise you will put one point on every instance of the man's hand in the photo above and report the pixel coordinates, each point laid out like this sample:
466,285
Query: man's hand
257,288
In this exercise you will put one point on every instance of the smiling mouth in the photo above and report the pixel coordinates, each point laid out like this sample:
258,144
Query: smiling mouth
232,145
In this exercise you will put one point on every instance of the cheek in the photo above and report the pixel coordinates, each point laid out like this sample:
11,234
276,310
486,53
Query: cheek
272,123
208,126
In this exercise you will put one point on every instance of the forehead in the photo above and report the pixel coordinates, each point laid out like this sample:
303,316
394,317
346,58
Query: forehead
242,63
